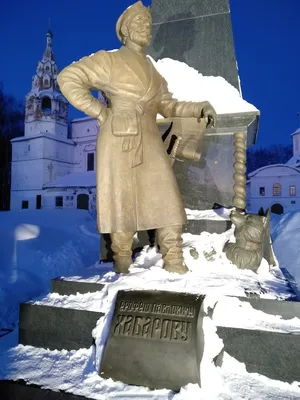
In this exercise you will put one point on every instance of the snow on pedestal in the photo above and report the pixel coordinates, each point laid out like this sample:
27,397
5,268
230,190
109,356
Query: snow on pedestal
187,84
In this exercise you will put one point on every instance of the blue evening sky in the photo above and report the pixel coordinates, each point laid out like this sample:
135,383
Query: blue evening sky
266,35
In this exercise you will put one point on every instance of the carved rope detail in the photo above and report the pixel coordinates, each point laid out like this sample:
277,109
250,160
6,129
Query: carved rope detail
239,188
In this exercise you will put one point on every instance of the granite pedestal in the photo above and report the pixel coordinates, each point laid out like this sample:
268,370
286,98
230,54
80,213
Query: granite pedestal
65,287
273,354
56,328
20,390
270,353
198,33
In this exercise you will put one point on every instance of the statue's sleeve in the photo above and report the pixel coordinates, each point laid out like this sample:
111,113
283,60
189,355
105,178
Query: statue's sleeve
170,107
78,79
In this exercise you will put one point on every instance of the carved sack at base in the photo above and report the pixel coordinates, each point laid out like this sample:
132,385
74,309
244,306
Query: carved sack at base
251,234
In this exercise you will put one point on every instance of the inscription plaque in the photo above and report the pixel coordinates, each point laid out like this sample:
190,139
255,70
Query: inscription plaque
155,339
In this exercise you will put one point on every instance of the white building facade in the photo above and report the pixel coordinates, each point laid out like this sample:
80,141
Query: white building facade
276,186
52,168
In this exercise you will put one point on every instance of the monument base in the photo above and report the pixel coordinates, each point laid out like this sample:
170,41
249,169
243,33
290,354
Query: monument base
158,336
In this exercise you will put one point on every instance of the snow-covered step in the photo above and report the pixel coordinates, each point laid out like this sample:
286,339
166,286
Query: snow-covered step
20,390
272,354
263,334
65,287
285,309
56,328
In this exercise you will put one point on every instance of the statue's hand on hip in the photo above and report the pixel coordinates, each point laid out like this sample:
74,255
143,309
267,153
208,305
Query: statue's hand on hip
207,111
103,116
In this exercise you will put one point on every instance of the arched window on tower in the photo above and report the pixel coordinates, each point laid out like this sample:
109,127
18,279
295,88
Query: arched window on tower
46,83
46,105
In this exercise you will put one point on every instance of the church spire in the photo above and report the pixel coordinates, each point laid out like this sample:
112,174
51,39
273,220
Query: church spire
45,101
47,71
48,53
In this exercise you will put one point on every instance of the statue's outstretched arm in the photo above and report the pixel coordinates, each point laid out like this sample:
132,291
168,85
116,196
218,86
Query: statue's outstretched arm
170,107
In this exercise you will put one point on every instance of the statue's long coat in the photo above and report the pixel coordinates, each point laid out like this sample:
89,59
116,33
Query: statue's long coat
136,189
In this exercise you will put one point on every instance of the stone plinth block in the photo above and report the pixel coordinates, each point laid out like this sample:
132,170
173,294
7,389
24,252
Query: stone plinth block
56,328
196,32
212,179
155,339
66,287
195,227
273,354
285,309
20,390
270,353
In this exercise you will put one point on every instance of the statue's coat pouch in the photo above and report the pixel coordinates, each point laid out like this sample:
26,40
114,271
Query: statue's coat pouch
124,123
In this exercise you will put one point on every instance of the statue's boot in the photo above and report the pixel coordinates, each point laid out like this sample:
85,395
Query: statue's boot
121,245
170,242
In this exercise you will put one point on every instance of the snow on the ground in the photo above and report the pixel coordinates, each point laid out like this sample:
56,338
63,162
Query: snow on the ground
285,231
37,246
74,371
193,86
210,273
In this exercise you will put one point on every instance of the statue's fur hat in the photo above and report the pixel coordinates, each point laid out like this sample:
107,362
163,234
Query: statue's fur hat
136,9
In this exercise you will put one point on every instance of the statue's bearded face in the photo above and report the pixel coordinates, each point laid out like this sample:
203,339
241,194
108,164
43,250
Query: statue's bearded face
139,29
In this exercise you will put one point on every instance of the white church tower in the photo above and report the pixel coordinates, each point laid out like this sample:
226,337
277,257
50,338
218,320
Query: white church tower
45,152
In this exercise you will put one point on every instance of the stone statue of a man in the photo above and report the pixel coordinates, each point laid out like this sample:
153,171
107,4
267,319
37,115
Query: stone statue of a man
136,187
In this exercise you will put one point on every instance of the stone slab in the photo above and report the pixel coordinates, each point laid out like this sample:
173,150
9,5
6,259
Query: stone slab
65,287
19,390
285,309
196,226
198,33
211,180
163,9
273,354
155,339
228,124
56,327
